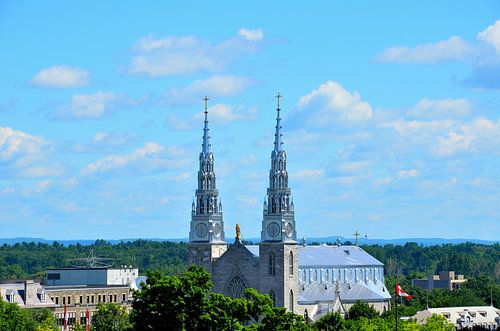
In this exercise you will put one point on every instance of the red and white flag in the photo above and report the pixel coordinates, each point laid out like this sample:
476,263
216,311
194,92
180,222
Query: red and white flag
87,320
65,317
401,293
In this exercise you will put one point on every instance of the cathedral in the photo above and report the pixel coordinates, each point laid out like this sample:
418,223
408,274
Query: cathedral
308,280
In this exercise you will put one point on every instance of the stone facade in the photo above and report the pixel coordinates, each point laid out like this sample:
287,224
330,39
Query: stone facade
301,279
78,299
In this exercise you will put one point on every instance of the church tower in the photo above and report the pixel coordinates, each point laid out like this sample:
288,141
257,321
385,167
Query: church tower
206,235
278,250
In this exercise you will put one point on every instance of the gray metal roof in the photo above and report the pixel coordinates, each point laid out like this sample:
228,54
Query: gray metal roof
326,256
349,292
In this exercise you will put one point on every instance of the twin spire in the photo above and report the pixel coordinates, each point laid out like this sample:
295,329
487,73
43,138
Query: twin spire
277,136
206,137
278,144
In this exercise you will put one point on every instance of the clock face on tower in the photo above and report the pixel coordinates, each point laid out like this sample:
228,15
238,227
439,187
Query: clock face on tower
288,230
273,229
201,230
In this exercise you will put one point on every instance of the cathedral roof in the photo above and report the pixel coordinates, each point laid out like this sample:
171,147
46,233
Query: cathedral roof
330,256
349,292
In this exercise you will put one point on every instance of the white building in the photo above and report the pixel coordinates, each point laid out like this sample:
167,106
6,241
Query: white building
487,317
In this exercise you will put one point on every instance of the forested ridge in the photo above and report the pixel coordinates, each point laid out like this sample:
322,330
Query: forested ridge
28,260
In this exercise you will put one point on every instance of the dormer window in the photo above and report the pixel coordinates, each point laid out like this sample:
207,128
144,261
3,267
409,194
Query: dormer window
11,296
42,295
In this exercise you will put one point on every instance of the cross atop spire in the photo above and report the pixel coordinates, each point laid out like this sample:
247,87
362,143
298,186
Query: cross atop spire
206,137
277,136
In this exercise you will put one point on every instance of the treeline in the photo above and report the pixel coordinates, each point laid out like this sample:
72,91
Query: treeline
469,259
28,260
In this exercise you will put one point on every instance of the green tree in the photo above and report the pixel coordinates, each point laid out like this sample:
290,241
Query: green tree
172,302
331,322
361,309
14,318
437,323
111,317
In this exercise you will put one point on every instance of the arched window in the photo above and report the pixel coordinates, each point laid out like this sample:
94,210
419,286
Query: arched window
281,165
209,181
290,303
280,181
273,297
272,264
236,287
290,264
202,206
273,205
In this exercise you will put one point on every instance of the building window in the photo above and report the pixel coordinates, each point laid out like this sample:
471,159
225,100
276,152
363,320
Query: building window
290,263
64,300
273,297
92,299
57,300
115,297
236,287
290,304
273,205
88,299
104,298
272,264
99,298
43,296
110,298
124,297
202,206
69,300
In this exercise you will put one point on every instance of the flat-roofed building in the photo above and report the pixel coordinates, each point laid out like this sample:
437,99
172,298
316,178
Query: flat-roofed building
444,280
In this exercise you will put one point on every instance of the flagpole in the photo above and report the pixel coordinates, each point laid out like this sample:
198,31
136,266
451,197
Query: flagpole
396,300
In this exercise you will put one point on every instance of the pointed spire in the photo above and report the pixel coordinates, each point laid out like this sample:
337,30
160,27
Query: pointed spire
206,137
277,136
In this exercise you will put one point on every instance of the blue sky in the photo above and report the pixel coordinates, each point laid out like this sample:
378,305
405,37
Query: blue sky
391,115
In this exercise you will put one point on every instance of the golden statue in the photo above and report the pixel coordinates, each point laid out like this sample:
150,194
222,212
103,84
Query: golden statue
238,232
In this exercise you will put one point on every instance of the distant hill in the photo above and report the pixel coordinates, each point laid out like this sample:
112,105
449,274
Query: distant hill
331,239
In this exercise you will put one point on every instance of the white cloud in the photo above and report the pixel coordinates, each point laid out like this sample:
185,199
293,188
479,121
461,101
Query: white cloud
479,135
152,157
249,159
213,86
353,166
330,102
174,55
95,105
105,141
246,200
440,108
164,201
91,105
491,35
25,155
182,176
309,174
252,35
219,114
454,48
404,174
61,77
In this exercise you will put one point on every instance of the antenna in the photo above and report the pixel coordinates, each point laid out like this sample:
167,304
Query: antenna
92,261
